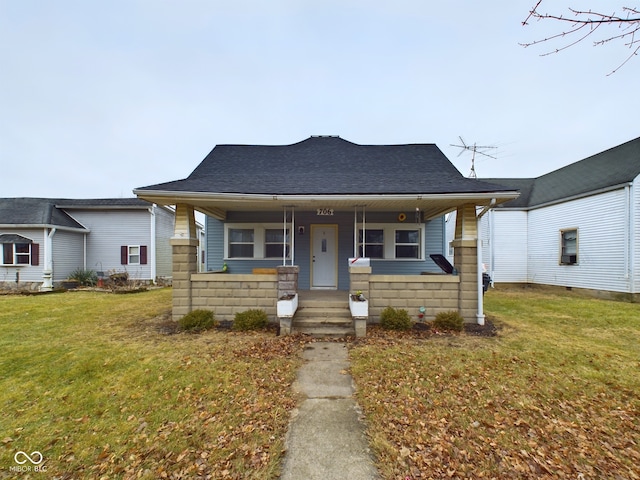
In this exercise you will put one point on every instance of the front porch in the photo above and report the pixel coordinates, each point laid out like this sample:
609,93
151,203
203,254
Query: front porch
422,295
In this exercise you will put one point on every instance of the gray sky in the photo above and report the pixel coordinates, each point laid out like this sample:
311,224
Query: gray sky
100,97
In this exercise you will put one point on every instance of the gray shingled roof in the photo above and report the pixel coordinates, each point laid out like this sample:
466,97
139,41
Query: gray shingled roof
50,212
614,167
326,166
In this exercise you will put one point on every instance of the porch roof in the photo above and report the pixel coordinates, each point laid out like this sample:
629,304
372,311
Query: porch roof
326,172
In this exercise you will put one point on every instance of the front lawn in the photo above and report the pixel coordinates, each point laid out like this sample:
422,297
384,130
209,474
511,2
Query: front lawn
94,383
554,395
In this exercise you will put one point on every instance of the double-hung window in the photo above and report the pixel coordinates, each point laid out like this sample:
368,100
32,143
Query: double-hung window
407,244
133,254
258,241
388,241
569,246
241,242
373,247
276,243
18,250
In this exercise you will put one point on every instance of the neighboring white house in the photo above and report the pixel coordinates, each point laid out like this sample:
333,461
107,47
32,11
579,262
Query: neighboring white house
577,227
43,240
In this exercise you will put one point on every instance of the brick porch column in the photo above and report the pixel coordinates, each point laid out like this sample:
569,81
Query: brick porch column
465,260
184,246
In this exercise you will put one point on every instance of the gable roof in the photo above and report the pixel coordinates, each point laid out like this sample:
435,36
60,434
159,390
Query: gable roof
50,212
325,165
606,170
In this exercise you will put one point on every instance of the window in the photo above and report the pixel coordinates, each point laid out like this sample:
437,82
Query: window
241,242
18,250
374,243
274,241
569,247
256,240
133,254
387,241
407,243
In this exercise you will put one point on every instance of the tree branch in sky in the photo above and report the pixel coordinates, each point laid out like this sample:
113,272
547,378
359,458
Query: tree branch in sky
581,24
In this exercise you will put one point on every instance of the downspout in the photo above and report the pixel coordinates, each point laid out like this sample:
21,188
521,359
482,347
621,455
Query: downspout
47,271
480,314
84,252
152,246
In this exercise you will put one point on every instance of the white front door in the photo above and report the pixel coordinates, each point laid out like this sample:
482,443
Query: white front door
324,256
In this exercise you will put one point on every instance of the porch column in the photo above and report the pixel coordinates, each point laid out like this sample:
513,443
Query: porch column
465,260
184,246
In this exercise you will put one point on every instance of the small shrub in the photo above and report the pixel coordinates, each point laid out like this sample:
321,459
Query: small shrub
197,321
253,319
87,278
395,319
451,320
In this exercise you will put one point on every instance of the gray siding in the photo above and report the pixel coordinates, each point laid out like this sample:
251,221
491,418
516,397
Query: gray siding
434,243
109,230
68,254
27,273
634,228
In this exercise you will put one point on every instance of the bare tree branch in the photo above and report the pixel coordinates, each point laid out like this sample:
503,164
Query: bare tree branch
590,21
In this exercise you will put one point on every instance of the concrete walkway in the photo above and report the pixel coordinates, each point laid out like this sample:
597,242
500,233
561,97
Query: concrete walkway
326,438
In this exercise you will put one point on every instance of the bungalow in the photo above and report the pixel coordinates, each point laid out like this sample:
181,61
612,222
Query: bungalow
43,240
326,215
575,227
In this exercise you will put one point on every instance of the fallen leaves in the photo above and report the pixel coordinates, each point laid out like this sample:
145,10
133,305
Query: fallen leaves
433,413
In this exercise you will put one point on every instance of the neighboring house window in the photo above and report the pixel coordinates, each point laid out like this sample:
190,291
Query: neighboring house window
569,247
390,242
373,245
133,254
274,242
18,250
241,242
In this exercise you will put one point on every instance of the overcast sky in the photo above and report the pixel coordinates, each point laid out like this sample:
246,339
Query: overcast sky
100,97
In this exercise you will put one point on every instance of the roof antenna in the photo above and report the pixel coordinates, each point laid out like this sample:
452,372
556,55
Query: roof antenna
473,149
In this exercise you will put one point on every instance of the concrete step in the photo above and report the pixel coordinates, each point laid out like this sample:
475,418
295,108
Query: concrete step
324,330
342,313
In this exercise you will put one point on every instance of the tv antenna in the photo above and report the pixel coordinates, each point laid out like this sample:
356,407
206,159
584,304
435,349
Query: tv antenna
473,149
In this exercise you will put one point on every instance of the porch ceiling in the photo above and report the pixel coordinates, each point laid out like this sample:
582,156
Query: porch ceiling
432,205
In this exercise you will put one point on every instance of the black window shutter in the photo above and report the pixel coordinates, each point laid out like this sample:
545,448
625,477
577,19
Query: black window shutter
124,255
143,254
35,254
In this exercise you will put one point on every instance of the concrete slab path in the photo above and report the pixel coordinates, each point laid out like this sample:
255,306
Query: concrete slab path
326,439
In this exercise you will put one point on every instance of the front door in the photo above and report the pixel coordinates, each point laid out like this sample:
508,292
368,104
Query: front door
324,260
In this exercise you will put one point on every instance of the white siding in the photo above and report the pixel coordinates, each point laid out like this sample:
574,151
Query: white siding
109,230
164,231
635,229
504,252
601,223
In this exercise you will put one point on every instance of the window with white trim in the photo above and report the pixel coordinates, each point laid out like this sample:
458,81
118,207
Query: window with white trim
373,245
390,242
256,241
241,243
276,242
569,246
408,244
133,254
18,250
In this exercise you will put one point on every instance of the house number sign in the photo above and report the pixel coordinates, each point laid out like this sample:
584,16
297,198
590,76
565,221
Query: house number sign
324,211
